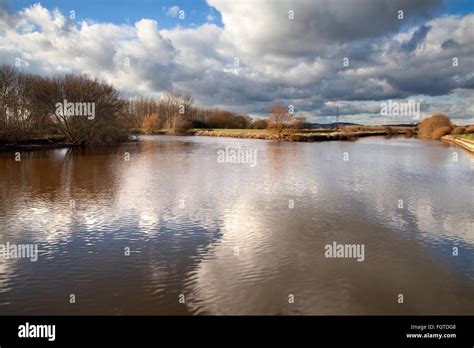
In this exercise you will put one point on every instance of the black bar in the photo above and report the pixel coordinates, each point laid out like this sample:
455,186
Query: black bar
290,330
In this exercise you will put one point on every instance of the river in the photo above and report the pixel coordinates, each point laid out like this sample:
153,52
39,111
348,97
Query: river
169,226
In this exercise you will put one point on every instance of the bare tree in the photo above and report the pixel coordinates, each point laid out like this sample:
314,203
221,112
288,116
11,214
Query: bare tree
279,120
150,123
22,113
177,107
108,123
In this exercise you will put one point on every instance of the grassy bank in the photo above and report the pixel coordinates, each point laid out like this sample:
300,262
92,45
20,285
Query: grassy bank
466,141
348,133
299,135
303,135
468,137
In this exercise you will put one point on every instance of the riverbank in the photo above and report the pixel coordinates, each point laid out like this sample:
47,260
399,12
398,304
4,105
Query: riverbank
466,141
35,144
47,143
315,135
304,135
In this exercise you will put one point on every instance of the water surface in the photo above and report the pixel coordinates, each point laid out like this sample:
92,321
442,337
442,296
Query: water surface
239,239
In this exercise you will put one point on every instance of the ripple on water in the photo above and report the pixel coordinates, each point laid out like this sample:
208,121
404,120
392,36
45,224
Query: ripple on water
236,239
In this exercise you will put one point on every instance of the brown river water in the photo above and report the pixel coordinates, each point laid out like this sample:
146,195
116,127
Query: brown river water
207,235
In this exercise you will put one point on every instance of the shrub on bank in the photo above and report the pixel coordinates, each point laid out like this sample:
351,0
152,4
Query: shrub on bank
439,132
150,123
261,124
458,130
389,130
429,126
181,127
469,130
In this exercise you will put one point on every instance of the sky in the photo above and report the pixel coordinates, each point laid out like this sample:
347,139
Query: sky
323,57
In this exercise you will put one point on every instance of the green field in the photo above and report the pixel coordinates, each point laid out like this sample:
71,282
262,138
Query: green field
467,136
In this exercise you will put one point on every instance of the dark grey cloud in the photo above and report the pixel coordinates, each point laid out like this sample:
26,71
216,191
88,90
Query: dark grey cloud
418,37
449,44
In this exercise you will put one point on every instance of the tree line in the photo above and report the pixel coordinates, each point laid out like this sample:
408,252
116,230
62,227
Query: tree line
33,106
86,111
175,112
